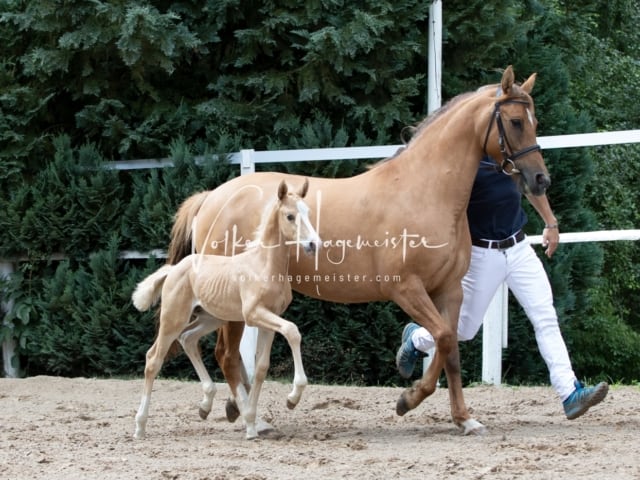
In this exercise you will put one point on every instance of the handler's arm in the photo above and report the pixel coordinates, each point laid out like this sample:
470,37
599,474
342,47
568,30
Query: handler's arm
550,234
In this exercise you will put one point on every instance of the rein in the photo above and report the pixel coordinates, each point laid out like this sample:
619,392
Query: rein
508,161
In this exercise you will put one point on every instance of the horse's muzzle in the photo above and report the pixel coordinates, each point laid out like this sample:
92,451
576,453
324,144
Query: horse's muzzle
311,247
535,184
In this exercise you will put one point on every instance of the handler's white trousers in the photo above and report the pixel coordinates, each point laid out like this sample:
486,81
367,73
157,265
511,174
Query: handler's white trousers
522,270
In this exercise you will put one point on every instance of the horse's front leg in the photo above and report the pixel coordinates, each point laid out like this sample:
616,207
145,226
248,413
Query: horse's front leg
288,330
412,297
234,371
449,303
250,408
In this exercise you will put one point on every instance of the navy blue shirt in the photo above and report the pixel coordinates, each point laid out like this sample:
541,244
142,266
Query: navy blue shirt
495,208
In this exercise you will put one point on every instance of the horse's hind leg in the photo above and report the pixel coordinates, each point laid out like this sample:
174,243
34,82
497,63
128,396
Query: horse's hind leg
155,358
228,357
458,407
189,338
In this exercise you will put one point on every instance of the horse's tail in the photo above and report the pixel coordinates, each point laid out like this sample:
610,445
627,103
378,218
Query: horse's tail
148,291
181,235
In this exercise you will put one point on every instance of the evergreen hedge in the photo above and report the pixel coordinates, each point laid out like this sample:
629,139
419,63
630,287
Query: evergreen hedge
84,83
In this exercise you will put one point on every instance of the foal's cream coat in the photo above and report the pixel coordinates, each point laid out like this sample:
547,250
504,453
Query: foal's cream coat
251,287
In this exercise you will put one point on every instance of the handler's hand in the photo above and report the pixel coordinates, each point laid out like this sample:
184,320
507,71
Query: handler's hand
550,239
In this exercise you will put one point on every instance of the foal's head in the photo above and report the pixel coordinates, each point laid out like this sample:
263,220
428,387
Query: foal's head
293,218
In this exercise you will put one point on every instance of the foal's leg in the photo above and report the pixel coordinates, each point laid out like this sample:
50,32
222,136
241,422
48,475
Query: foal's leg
264,318
189,338
230,361
249,406
167,334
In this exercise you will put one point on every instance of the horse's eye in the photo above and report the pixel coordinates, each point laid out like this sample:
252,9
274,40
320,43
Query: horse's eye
516,123
291,217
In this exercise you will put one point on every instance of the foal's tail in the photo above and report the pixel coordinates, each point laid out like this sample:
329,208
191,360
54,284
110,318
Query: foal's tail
180,244
148,291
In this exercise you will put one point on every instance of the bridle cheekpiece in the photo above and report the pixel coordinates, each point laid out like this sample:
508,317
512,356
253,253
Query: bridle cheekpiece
508,166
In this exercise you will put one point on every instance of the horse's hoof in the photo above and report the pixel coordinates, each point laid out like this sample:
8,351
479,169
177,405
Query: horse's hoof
232,411
291,405
263,426
473,427
203,413
401,406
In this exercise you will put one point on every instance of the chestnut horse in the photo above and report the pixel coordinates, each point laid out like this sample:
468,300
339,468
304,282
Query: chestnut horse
397,232
203,292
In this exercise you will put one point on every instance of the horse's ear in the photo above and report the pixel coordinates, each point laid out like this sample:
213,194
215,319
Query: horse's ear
282,190
304,189
528,85
507,80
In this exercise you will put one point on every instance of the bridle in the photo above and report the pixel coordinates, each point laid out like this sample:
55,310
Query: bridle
503,141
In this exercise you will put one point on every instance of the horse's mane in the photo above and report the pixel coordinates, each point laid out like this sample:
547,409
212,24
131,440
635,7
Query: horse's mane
416,130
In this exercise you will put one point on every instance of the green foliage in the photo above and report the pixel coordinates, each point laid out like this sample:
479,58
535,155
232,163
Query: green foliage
69,206
343,343
85,82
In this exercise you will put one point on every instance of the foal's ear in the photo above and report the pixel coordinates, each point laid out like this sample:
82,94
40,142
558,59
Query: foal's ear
528,85
304,189
507,80
282,190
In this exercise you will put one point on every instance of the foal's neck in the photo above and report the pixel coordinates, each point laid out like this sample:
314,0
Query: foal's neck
271,245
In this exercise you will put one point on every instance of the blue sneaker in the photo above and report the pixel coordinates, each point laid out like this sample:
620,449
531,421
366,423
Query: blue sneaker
408,355
583,398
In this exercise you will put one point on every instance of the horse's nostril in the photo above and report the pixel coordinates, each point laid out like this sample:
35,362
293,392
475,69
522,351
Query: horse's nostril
543,180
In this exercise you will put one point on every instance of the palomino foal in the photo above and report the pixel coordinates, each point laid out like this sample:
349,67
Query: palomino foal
203,292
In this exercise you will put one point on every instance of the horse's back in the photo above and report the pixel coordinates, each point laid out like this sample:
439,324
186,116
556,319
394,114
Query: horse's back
368,232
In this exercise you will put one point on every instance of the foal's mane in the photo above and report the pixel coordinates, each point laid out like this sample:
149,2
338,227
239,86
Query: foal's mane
267,215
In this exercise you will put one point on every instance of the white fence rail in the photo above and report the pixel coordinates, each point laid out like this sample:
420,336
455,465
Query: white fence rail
248,158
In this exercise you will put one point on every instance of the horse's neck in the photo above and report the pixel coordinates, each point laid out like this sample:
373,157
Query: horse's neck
445,159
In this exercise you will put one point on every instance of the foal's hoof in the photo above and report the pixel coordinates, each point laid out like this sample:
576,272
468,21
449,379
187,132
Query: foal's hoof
401,406
203,413
473,427
291,405
232,411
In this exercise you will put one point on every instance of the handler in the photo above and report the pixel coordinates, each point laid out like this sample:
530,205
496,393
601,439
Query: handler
495,212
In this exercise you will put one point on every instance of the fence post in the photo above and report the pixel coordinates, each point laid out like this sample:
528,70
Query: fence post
9,343
249,341
247,161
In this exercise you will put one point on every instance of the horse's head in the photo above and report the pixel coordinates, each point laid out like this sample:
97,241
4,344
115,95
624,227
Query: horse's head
511,135
293,218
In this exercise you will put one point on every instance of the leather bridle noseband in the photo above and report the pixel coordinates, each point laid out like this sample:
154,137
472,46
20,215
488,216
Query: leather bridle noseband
503,141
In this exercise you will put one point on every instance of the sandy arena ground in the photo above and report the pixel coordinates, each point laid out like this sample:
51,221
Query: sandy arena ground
61,428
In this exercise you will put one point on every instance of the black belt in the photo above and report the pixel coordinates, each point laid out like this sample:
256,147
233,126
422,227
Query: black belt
499,244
